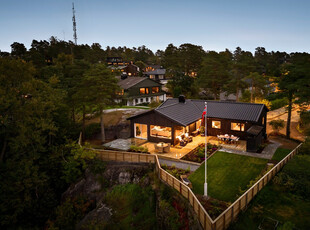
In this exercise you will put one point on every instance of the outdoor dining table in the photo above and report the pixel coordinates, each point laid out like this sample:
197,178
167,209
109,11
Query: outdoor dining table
227,137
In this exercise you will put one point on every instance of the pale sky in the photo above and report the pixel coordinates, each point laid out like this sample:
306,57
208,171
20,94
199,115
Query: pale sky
278,25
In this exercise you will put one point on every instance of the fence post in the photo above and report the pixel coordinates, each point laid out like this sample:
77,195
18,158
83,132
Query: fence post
232,214
224,220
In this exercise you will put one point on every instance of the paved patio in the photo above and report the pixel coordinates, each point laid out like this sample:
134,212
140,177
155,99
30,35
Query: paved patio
124,144
177,152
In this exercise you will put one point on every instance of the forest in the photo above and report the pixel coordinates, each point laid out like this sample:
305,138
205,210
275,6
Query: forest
47,91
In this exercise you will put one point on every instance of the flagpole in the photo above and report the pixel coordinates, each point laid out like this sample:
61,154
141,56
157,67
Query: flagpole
206,184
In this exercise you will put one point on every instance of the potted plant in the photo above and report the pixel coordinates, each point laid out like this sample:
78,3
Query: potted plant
138,132
202,130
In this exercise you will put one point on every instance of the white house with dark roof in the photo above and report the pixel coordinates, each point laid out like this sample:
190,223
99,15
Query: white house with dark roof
139,90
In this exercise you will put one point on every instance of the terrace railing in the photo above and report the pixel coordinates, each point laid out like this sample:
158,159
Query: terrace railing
224,219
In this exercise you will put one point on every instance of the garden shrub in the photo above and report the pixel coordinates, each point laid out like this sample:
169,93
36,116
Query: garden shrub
277,124
138,149
169,216
70,212
278,103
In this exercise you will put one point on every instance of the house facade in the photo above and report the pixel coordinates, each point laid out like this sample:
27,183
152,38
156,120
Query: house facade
157,74
176,117
138,90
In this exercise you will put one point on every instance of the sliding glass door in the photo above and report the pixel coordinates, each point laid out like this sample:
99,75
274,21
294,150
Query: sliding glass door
141,131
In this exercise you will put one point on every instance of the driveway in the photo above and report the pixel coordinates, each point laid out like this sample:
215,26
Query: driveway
282,114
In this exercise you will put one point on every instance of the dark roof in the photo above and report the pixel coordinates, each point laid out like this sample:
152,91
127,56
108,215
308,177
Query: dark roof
130,81
191,111
154,66
255,130
156,72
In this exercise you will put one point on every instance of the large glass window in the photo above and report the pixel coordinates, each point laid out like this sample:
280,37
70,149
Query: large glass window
216,124
144,91
160,131
155,89
237,126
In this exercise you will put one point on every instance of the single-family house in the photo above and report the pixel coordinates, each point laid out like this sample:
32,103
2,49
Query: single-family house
157,74
138,90
178,116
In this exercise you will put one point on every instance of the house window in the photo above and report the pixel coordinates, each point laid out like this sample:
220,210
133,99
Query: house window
161,77
237,126
147,99
137,101
144,91
216,124
155,89
141,100
160,131
152,76
121,92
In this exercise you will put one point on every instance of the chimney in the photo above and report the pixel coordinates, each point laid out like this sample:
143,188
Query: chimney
181,99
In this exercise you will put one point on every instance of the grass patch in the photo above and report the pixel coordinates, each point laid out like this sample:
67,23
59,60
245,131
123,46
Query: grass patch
227,173
136,107
285,199
280,154
127,107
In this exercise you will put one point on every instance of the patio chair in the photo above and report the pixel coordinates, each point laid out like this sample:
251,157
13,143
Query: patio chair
167,148
237,141
183,142
220,139
188,138
158,149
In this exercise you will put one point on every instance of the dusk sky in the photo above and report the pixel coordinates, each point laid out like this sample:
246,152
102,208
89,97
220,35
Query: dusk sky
278,25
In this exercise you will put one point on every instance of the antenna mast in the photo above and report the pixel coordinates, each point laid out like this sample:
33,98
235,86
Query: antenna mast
74,25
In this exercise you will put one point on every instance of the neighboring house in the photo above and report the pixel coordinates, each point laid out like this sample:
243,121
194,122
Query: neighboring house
117,61
131,70
149,68
138,90
157,74
176,117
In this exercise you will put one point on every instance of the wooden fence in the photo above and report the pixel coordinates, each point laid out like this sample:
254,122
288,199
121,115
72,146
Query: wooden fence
108,155
222,221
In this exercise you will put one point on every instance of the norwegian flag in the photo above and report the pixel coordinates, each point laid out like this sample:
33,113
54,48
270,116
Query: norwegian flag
204,113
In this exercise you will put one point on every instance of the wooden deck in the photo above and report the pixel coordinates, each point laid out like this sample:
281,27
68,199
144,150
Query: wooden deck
177,152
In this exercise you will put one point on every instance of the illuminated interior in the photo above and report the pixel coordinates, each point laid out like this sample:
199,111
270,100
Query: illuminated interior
160,131
216,124
237,126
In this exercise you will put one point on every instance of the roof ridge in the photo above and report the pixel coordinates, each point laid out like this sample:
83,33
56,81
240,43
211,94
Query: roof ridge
195,105
160,107
232,102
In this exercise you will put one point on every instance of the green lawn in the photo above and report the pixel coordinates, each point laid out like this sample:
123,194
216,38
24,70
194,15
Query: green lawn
280,154
226,173
285,199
